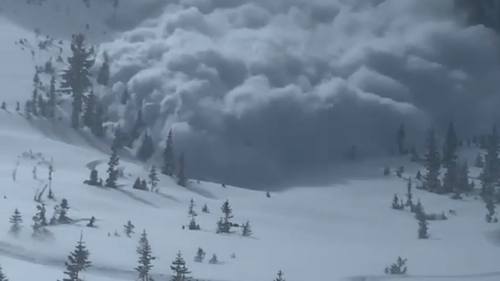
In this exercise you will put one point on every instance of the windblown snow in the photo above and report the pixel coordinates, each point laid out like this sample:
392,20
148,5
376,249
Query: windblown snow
254,90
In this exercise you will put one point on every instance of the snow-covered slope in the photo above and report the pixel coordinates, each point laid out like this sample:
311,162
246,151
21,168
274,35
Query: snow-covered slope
340,231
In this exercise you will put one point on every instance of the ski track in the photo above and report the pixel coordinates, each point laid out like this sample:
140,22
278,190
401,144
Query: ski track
21,254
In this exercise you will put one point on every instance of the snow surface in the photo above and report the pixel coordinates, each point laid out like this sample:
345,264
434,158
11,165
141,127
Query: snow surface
342,231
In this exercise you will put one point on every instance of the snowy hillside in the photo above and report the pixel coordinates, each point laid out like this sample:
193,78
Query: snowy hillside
340,229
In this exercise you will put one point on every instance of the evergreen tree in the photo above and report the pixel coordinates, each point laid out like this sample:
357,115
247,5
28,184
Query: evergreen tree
422,227
125,96
27,109
137,184
153,178
432,164
145,259
450,147
463,184
246,230
78,261
395,203
144,185
280,276
479,163
204,209
51,104
490,206
179,268
113,163
224,225
103,74
128,229
34,102
3,277
146,149
400,139
168,156
77,76
138,125
450,181
200,255
42,105
89,111
491,171
98,122
118,138
18,106
191,211
181,173
63,211
409,196
16,220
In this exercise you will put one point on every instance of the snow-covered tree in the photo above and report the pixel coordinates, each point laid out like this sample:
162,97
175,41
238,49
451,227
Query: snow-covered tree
77,76
181,173
78,261
205,209
168,156
450,147
490,206
153,178
112,170
16,221
280,276
432,164
399,267
213,259
103,74
422,227
145,258
490,174
179,268
224,224
147,147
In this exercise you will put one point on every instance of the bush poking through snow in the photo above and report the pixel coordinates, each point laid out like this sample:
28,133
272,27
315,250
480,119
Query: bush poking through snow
200,255
398,268
246,230
396,205
213,260
280,276
205,209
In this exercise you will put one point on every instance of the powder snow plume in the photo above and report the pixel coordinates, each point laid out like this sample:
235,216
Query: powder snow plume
260,90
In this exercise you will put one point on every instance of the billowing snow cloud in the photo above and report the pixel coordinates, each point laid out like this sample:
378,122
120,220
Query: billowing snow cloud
258,90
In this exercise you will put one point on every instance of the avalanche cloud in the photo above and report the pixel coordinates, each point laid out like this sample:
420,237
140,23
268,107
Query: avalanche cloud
257,90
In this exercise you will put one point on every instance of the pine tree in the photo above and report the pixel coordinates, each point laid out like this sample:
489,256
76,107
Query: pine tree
200,255
138,125
146,149
98,122
77,76
89,110
34,102
479,163
204,209
246,230
153,178
168,156
113,163
450,180
224,225
280,276
422,228
103,74
42,105
18,106
27,109
181,173
450,147
490,206
118,138
179,268
409,196
432,164
400,139
145,259
16,220
3,277
191,211
142,241
78,261
395,203
491,171
51,104
125,96
63,211
128,229
463,184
